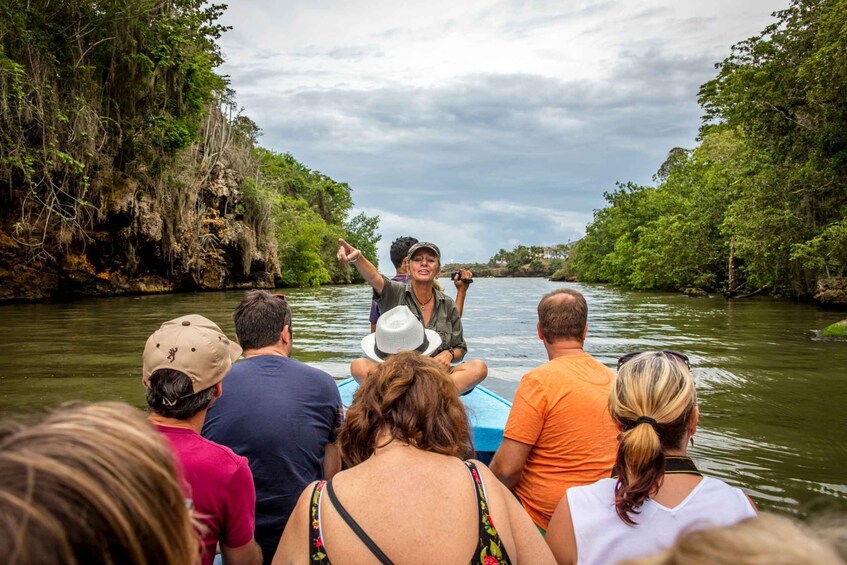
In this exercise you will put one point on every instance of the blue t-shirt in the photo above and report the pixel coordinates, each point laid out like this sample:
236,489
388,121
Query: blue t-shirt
279,413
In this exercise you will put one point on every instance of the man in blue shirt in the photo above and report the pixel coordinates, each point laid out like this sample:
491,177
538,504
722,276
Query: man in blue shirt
281,414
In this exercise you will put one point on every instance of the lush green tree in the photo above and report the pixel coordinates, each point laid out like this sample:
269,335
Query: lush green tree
785,90
310,213
87,86
499,257
765,192
361,232
300,236
519,256
607,250
97,94
532,257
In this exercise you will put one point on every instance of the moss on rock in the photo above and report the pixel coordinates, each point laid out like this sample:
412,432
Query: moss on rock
838,330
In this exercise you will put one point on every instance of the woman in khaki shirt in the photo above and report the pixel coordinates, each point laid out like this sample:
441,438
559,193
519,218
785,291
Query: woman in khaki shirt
434,309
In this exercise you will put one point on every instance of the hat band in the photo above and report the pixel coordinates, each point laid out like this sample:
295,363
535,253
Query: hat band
382,354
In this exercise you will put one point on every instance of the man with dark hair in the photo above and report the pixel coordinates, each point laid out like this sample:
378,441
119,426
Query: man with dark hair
183,365
559,433
281,414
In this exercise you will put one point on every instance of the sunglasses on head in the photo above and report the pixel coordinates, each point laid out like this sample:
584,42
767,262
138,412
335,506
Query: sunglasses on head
281,296
670,354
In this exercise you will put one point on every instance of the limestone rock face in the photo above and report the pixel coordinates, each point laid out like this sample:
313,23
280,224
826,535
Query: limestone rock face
148,219
23,280
146,240
694,292
832,291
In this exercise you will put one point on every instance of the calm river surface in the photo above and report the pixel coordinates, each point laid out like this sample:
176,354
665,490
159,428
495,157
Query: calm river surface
772,399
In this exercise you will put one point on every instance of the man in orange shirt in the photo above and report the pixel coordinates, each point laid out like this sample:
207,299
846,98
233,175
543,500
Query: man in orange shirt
559,433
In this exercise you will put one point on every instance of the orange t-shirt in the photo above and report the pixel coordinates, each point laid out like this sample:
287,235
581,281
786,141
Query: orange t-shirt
562,409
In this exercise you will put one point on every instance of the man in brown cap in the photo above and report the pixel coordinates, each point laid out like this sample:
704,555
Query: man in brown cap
184,363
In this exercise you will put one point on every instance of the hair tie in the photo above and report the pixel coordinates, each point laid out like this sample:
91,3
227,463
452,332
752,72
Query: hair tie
646,420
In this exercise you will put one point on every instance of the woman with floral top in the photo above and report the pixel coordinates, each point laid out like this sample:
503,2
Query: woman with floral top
409,494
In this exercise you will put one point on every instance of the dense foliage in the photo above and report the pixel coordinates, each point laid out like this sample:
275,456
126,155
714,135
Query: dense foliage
87,86
310,212
762,201
533,259
100,98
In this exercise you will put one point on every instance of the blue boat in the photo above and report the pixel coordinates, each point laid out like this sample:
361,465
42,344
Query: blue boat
487,412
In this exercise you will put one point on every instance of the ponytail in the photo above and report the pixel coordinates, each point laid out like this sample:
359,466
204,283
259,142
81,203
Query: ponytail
652,401
640,465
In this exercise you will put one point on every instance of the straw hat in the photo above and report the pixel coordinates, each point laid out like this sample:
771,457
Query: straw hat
399,330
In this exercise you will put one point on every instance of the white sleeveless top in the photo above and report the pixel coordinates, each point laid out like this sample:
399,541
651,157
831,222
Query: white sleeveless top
603,538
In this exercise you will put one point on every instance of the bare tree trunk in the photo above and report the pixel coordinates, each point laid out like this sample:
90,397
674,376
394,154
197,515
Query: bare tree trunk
731,283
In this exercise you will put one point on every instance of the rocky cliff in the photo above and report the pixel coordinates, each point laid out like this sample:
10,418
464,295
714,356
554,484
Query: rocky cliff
140,241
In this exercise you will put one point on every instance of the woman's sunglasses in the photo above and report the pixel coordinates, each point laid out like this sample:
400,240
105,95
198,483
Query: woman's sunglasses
670,354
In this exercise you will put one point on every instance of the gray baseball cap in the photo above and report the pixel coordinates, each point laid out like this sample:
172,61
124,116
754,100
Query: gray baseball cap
424,245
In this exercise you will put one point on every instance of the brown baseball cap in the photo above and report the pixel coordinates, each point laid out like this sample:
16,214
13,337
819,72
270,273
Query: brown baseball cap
193,345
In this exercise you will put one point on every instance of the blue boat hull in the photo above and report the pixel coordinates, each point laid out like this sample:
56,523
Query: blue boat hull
487,412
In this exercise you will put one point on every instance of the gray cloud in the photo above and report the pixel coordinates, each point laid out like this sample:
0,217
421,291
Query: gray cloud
524,26
343,52
516,138
486,160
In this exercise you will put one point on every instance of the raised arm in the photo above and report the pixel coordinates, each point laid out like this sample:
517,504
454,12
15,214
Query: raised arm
349,255
462,287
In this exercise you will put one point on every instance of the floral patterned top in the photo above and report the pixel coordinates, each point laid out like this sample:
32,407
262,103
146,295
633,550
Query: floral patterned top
489,550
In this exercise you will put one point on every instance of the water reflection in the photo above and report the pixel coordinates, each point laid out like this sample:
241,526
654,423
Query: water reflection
771,398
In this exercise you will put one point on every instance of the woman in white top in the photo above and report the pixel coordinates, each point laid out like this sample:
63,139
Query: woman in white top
656,491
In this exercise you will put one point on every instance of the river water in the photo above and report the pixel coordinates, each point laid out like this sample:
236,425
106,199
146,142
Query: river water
772,398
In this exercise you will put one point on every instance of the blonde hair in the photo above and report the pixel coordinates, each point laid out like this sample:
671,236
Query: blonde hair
91,484
652,400
767,538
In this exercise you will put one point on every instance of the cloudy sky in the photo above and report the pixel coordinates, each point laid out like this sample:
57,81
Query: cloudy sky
480,124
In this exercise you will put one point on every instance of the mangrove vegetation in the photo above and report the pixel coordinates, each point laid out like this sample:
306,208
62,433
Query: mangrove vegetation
125,165
760,204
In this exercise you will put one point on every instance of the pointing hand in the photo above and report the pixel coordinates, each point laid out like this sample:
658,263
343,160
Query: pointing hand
347,254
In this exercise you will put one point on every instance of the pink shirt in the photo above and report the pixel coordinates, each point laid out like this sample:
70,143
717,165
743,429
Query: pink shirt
220,485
